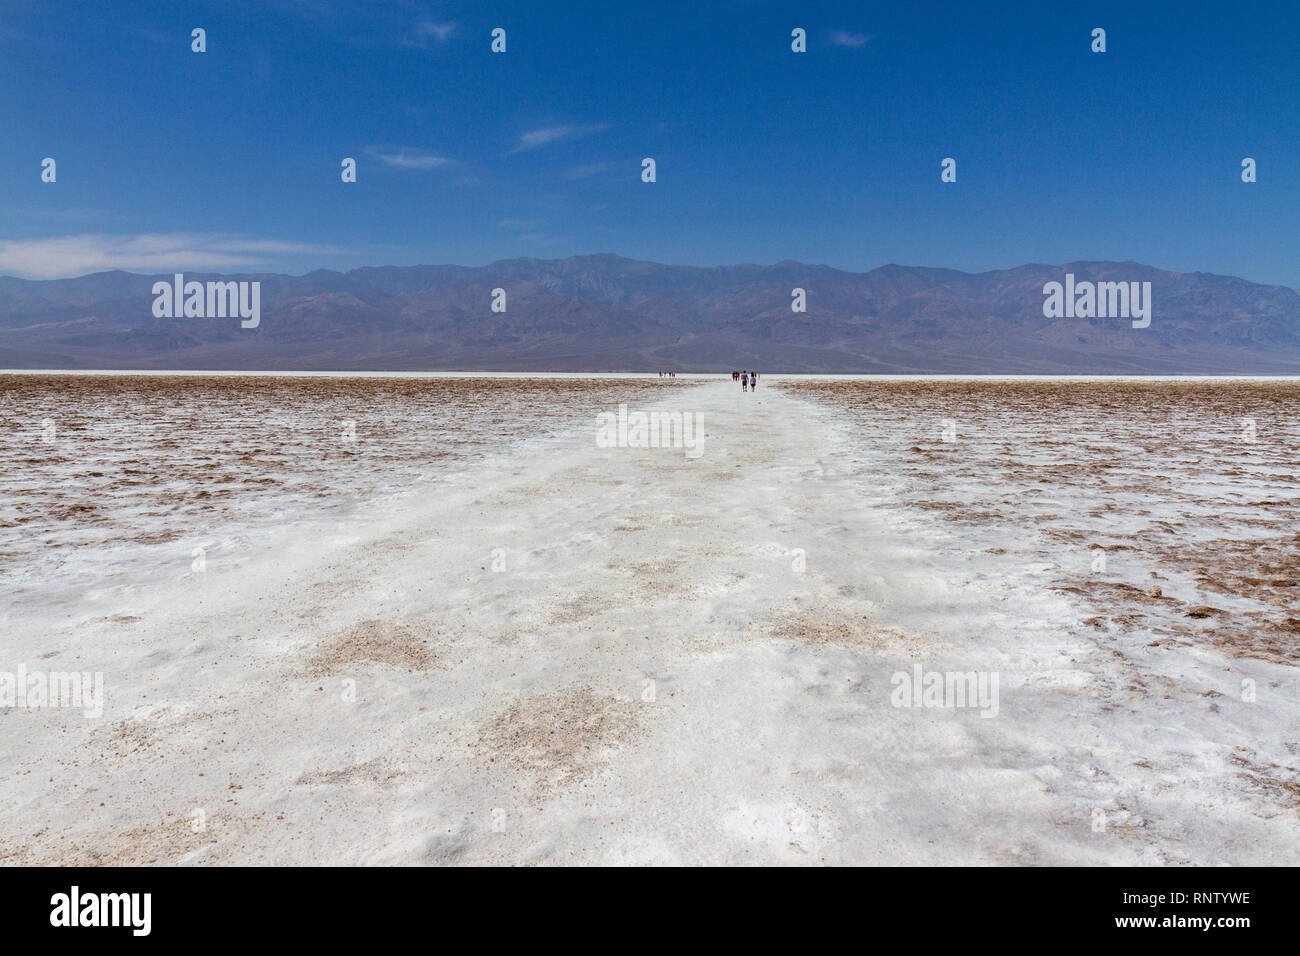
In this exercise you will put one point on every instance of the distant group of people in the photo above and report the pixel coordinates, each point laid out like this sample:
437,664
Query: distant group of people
748,380
667,374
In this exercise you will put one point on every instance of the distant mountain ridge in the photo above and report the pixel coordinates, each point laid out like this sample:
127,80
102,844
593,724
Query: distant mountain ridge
607,313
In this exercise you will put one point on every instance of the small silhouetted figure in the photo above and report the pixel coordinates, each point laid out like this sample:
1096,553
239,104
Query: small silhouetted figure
735,376
753,381
744,381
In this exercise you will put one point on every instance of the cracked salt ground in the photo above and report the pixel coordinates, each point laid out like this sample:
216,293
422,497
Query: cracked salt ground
600,699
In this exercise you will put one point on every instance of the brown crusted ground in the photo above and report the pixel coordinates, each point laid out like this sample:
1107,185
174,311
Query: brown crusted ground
1155,474
825,626
372,642
154,458
163,842
559,738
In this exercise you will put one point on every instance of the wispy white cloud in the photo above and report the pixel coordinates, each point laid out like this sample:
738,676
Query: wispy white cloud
853,40
408,158
553,134
589,169
427,31
365,23
58,257
540,137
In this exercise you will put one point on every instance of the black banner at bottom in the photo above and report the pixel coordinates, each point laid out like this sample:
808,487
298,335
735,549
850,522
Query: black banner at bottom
335,906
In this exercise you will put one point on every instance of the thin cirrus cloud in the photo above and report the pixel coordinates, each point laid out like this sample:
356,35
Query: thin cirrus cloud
430,32
365,23
408,158
534,139
586,171
61,257
851,40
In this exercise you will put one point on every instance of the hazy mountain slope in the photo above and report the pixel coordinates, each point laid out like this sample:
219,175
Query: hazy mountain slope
599,312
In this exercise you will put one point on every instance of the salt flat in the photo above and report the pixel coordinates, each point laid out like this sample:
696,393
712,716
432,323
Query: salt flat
573,654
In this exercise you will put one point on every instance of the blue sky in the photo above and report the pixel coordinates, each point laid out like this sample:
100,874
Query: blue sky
229,160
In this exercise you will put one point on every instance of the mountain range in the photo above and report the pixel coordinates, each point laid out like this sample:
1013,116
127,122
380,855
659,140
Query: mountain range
607,313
